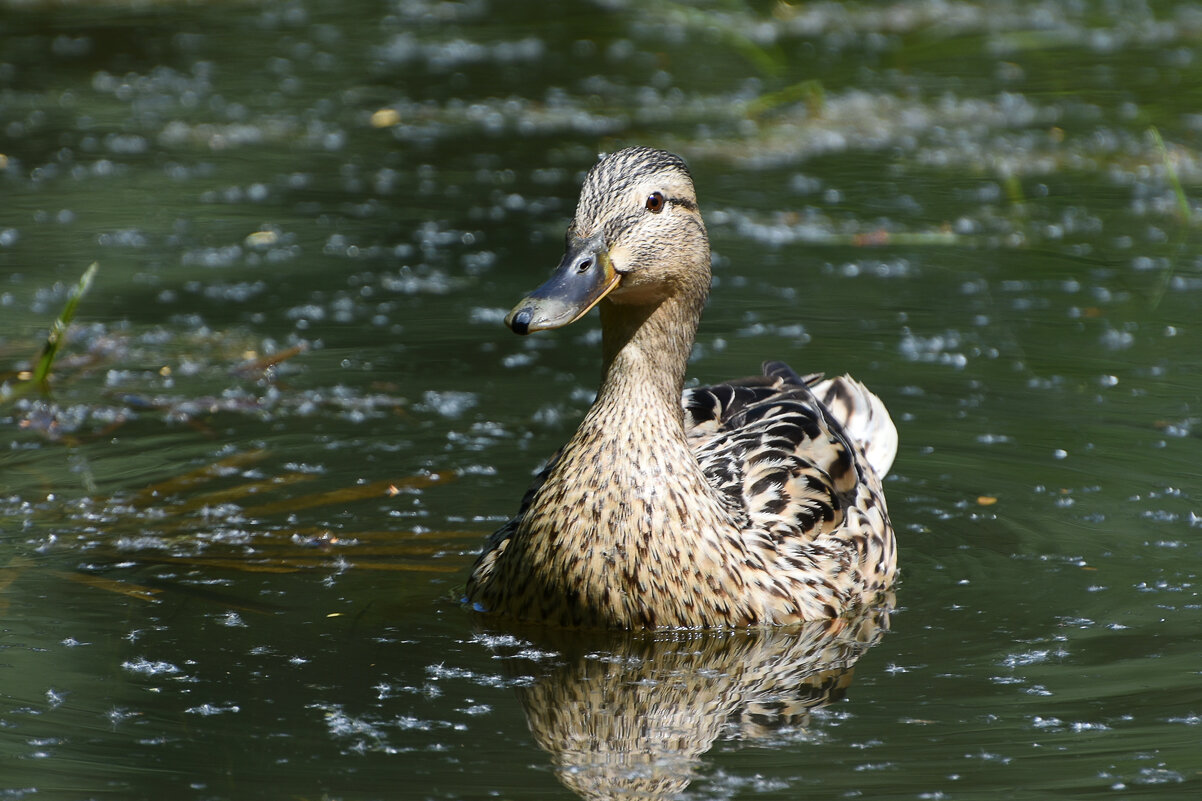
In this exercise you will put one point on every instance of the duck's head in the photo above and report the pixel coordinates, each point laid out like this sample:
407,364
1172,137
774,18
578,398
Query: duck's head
637,238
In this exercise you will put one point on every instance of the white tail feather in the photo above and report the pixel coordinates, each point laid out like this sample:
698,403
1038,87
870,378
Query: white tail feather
864,418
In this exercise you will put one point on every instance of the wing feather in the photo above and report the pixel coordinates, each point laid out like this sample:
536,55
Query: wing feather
788,454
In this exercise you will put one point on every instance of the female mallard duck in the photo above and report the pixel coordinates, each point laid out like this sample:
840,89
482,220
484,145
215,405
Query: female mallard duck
754,502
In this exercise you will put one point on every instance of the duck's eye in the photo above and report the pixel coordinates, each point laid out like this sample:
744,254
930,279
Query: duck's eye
655,202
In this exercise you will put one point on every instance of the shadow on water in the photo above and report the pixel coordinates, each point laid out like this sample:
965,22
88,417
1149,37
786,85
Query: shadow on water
630,715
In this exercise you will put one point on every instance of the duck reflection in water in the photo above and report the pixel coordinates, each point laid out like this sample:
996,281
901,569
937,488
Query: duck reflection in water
629,715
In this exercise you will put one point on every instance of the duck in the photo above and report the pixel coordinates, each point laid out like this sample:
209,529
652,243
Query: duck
755,502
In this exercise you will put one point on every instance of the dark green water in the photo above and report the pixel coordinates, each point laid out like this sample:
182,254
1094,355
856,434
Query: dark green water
206,590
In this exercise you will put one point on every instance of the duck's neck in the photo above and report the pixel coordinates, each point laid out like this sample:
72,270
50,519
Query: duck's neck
627,497
646,352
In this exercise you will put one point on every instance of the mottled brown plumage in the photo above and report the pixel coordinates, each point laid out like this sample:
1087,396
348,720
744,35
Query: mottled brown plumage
754,502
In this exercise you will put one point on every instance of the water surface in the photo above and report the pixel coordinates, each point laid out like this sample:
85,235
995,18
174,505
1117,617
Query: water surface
232,537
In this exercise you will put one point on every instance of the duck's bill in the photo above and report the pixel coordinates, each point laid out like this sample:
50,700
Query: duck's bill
583,277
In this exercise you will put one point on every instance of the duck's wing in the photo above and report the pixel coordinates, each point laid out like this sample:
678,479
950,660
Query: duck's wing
783,459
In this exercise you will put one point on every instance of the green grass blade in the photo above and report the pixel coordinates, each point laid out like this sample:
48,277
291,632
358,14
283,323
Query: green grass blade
1183,209
40,374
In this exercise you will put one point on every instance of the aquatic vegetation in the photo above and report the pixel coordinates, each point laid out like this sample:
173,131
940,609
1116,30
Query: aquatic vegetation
39,376
224,516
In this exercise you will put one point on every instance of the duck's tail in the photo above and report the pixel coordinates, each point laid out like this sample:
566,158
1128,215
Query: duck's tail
864,418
